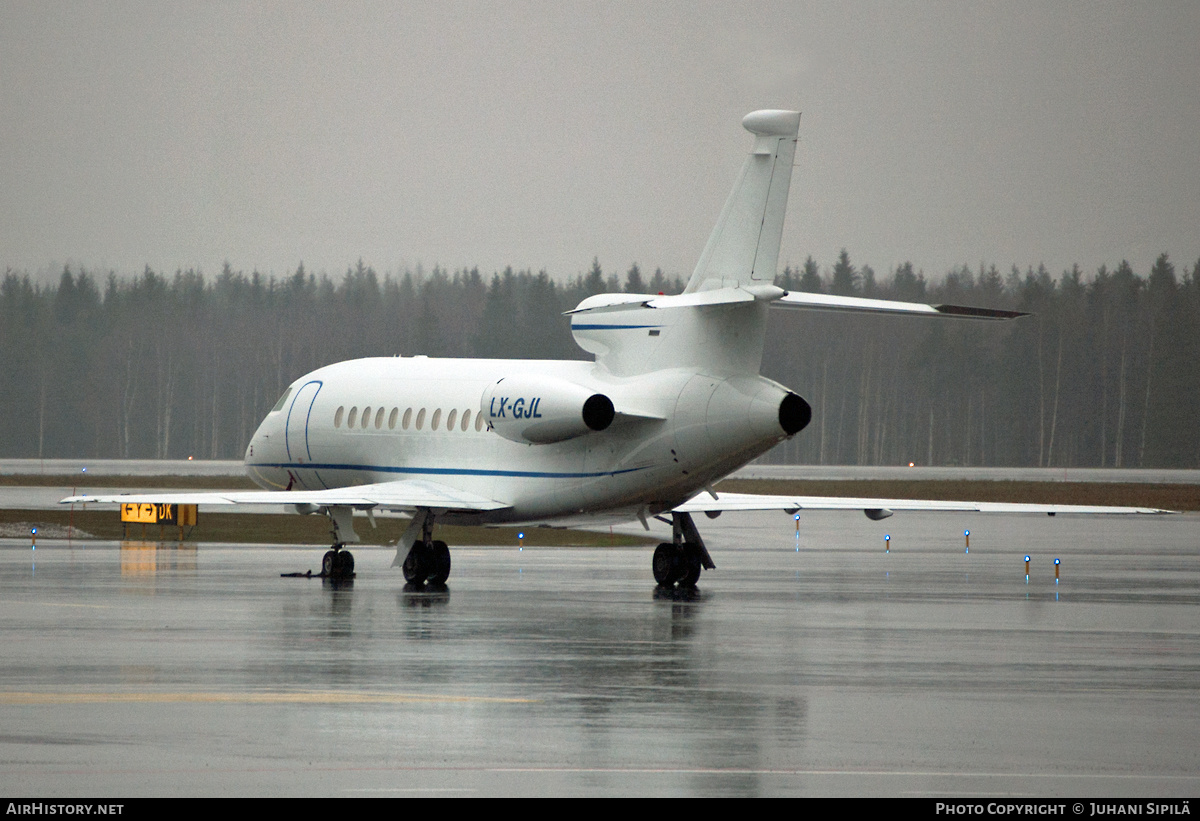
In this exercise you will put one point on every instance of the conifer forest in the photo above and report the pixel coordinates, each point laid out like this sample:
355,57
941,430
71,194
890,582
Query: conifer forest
1105,373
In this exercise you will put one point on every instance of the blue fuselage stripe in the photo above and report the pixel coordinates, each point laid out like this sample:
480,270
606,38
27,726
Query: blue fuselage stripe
523,474
609,327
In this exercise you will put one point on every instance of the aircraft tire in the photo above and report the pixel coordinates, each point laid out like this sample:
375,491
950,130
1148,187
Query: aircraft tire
345,564
329,564
665,564
439,569
691,566
415,565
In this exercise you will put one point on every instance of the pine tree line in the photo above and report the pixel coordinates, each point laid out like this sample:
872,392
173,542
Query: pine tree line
1105,373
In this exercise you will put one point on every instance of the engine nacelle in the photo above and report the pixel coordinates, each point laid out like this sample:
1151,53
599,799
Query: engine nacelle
539,410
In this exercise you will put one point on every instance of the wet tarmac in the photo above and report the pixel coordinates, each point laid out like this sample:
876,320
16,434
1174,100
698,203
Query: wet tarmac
810,665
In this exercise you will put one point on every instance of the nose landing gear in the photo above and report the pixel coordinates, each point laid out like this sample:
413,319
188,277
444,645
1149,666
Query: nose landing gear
338,563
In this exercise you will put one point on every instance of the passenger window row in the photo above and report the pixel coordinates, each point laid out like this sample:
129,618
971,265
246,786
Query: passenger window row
364,420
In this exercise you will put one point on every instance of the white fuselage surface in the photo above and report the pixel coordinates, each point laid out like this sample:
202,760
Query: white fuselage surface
366,421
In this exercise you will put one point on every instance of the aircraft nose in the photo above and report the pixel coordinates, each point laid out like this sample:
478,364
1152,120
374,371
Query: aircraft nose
260,442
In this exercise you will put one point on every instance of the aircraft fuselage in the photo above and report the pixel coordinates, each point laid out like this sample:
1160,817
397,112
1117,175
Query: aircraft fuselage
670,433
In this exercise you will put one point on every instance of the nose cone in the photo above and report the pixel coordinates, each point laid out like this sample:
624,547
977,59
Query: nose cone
259,442
267,444
264,455
255,451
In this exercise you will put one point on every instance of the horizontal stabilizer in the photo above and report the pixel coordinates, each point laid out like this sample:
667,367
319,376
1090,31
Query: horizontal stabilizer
719,296
605,303
828,302
978,313
609,302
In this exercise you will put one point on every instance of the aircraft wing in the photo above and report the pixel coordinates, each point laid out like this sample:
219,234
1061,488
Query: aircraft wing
407,494
879,508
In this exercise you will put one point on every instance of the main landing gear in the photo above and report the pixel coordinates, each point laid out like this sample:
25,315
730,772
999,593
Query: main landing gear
427,561
677,564
680,561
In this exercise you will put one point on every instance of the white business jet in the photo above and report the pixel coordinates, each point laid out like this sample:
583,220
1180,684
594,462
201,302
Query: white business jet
672,403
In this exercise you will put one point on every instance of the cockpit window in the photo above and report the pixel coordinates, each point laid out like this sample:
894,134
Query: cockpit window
282,401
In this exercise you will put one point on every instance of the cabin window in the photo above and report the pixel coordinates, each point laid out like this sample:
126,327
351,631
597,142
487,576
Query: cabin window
282,400
466,419
407,419
379,419
392,418
353,417
450,419
478,422
437,417
337,417
366,417
420,418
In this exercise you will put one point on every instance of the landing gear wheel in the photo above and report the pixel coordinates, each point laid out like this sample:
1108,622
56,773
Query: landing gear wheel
677,563
690,566
439,569
337,564
665,564
416,564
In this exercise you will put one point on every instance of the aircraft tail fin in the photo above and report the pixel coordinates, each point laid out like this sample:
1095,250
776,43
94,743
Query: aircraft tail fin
719,320
718,323
744,246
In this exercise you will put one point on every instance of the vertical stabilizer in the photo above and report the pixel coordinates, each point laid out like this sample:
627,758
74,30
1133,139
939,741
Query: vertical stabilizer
744,246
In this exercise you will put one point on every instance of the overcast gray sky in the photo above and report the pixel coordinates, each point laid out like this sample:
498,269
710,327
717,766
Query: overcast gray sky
543,134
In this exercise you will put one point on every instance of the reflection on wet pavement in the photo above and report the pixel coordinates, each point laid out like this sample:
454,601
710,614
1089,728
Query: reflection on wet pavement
816,664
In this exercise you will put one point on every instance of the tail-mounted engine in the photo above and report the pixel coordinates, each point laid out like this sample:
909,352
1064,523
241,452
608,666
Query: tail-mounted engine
538,410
